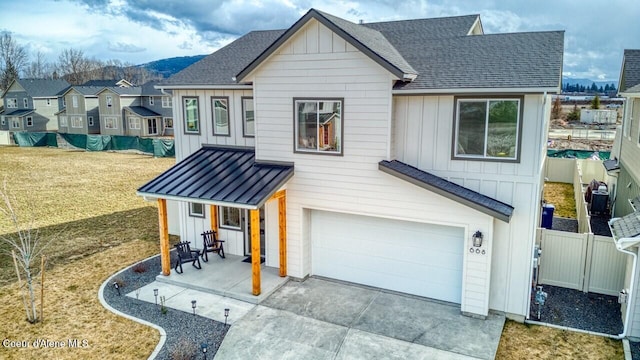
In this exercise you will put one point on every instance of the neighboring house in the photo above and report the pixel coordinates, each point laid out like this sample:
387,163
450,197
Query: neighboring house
625,190
158,110
108,83
628,180
80,113
32,104
377,154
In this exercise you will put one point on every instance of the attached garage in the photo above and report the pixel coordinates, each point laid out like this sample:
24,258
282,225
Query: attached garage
410,257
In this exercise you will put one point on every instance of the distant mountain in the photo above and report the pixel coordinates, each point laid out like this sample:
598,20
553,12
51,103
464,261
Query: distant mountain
587,82
170,66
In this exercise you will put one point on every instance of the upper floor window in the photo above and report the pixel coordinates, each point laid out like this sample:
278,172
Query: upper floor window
627,119
29,121
487,129
248,124
318,126
25,103
12,102
109,100
150,100
90,120
191,115
220,116
64,102
110,123
48,102
74,101
167,101
76,122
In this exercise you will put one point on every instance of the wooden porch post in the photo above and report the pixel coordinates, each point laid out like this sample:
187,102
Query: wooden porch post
164,237
282,231
255,250
214,218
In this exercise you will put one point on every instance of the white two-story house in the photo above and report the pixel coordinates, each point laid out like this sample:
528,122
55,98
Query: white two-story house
404,155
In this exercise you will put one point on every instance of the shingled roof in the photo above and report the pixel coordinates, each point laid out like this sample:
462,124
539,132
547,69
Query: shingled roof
43,87
455,192
630,74
430,54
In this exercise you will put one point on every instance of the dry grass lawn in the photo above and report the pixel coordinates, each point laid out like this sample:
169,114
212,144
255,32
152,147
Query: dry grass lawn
561,196
90,199
521,341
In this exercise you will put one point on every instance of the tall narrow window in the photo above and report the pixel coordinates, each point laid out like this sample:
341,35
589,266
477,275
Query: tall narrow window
151,100
29,121
487,129
248,117
25,103
90,120
191,115
318,126
220,116
109,100
74,100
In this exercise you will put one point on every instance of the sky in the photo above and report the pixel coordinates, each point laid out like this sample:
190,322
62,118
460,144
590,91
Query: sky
596,31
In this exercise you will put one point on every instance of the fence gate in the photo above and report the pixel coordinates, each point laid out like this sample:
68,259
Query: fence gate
584,262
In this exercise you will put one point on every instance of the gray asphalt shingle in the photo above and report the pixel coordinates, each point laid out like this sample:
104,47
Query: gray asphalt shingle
141,111
448,189
43,87
630,77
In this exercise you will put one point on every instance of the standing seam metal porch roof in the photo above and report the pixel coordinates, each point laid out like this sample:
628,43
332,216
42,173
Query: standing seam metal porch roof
219,175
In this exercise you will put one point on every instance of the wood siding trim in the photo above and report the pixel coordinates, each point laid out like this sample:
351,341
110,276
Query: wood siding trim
255,251
164,237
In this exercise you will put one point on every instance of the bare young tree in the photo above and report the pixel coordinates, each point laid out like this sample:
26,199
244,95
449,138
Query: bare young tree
26,246
76,68
13,58
39,68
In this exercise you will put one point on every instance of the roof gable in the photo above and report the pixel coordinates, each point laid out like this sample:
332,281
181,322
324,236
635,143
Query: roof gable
369,41
630,74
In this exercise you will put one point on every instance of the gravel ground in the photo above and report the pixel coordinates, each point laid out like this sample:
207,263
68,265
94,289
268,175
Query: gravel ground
575,309
564,224
185,332
635,350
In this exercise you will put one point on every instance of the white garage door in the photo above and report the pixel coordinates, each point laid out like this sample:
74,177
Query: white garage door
415,258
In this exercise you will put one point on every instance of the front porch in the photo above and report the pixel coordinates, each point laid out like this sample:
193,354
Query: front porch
230,277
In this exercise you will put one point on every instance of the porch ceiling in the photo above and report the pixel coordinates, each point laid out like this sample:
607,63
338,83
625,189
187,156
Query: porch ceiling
216,175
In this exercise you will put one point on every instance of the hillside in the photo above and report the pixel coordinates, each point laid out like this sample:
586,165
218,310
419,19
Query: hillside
170,66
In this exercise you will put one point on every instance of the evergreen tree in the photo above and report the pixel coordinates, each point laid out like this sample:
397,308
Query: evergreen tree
556,111
595,103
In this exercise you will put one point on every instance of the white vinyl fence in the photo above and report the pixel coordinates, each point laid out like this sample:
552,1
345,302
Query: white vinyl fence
584,262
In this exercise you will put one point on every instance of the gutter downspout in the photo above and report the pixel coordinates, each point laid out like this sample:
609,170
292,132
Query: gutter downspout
622,245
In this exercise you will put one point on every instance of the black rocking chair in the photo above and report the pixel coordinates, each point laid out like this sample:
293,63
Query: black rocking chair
185,255
211,244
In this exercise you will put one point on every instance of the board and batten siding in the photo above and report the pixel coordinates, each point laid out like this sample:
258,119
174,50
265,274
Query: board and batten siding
423,131
186,144
316,63
630,149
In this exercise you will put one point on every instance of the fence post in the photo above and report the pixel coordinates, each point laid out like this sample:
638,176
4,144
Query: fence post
588,260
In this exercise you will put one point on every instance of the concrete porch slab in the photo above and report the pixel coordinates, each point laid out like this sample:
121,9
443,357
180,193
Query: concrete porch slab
229,277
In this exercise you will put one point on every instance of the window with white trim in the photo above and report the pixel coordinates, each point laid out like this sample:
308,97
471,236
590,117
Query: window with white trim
12,103
25,103
74,101
109,100
191,115
318,126
48,102
168,123
167,101
76,122
487,129
63,121
220,120
196,210
248,117
134,122
29,121
150,99
64,102
229,217
90,120
152,126
15,122
2,121
628,118
110,123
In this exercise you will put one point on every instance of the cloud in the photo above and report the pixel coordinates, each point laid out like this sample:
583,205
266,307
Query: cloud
124,47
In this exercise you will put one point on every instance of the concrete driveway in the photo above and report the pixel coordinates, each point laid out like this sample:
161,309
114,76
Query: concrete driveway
321,319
